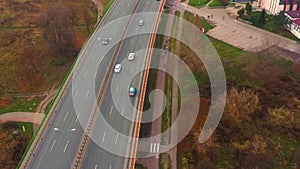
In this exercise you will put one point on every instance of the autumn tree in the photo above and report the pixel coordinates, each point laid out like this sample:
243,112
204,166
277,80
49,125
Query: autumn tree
57,22
241,104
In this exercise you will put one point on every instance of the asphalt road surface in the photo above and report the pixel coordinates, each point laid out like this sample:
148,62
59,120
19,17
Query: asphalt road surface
115,108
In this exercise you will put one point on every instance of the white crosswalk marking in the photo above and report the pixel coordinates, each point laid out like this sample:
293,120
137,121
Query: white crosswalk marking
157,149
151,147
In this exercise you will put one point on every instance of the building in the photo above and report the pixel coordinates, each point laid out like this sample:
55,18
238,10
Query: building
275,6
293,18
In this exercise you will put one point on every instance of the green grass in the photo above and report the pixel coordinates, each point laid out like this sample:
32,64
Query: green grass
167,113
225,50
22,105
201,79
28,128
198,2
215,3
177,13
202,24
139,166
270,25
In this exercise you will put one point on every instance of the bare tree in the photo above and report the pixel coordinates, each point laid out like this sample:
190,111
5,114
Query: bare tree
88,19
29,62
57,21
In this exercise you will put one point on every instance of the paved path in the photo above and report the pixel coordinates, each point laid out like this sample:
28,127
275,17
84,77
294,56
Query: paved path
22,116
33,117
239,34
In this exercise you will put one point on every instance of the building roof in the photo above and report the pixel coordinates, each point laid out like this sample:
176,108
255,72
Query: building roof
294,14
297,22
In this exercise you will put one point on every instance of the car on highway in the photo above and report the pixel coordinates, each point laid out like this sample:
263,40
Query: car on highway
131,56
118,68
132,91
105,41
141,22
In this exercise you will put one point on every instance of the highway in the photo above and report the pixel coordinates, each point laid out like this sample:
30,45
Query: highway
114,109
59,145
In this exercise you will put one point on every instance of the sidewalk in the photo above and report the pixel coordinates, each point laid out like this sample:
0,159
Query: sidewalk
22,116
240,34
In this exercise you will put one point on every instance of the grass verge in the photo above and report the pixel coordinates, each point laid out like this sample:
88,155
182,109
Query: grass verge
22,105
198,2
164,161
215,3
28,129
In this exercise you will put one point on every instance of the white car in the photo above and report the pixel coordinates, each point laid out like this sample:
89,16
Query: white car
141,22
131,56
118,68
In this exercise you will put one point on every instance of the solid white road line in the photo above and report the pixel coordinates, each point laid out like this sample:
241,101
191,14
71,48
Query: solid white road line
52,145
95,75
157,149
151,145
117,88
103,137
117,138
66,146
109,166
87,93
66,116
110,110
96,166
